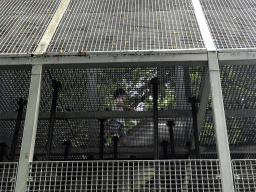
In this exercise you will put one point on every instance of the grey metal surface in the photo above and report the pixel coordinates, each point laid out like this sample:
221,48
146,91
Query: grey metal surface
8,173
176,175
23,24
244,174
232,23
126,26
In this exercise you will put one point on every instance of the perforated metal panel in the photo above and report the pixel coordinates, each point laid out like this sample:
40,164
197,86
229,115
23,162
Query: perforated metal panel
238,86
8,173
93,89
244,175
232,23
14,84
127,26
180,175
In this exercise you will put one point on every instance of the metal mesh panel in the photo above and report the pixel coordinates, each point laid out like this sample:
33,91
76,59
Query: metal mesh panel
78,131
238,86
93,89
23,23
244,175
14,84
7,176
181,175
241,130
127,26
232,23
207,133
7,129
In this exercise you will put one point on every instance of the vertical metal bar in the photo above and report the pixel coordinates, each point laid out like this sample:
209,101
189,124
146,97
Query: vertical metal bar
56,85
30,126
101,138
2,147
220,124
170,124
21,104
67,145
165,148
115,140
155,82
193,101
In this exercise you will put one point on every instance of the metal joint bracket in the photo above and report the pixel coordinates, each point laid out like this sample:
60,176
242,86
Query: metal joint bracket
213,61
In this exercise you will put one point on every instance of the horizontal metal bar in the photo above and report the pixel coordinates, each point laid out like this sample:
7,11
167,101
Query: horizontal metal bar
89,61
130,114
237,58
141,150
237,50
104,114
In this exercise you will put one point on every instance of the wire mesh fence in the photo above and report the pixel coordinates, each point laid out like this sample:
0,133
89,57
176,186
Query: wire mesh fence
14,84
244,175
93,89
180,175
8,173
238,86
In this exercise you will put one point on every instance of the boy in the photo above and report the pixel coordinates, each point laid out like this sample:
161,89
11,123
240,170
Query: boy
117,125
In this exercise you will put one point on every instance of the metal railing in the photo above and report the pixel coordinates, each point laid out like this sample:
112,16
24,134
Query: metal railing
8,173
125,175
244,172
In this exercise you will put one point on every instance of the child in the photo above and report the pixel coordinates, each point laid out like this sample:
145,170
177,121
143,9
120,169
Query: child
117,125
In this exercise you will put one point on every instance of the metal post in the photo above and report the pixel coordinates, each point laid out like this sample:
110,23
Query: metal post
2,146
67,145
115,140
30,126
21,104
56,85
101,138
217,100
193,101
155,82
165,149
170,124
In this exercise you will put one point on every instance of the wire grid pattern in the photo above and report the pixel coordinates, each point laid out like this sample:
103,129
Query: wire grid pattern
14,84
23,23
207,133
7,129
80,132
93,89
123,25
241,130
164,175
244,172
8,173
238,86
232,22
85,133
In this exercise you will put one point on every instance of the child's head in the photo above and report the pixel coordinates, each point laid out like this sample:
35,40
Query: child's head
119,92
